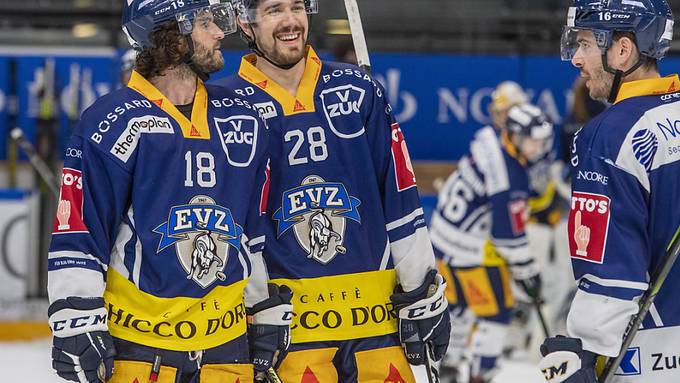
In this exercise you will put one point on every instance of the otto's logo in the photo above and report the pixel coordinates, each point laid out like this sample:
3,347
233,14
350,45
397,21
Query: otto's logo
318,211
645,146
403,169
202,233
127,142
588,226
69,217
239,138
339,103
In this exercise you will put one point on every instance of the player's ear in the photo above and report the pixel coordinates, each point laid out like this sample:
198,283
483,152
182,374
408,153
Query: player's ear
245,28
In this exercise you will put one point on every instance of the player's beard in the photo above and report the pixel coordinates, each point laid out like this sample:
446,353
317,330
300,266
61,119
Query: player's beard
599,84
208,59
283,55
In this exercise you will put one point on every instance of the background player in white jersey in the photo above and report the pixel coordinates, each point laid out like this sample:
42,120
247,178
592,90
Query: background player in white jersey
346,222
478,229
625,194
149,254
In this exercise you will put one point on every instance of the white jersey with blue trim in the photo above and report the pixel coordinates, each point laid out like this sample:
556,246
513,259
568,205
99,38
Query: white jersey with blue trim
624,212
483,206
158,213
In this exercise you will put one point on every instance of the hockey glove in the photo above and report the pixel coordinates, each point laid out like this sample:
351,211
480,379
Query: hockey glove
423,319
269,332
565,360
527,276
82,346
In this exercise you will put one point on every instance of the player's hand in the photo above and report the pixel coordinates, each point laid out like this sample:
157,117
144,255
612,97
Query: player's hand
82,349
423,319
532,286
527,276
565,361
269,332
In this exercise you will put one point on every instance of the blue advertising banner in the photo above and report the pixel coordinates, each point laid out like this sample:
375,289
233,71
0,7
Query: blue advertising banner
440,100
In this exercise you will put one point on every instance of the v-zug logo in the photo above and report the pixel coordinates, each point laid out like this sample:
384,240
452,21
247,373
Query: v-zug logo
338,104
201,232
317,211
239,138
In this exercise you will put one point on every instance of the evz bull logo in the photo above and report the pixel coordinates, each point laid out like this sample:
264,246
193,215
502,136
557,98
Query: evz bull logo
202,233
317,211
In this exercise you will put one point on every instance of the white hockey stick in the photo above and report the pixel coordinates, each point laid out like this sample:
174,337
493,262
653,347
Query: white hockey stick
357,29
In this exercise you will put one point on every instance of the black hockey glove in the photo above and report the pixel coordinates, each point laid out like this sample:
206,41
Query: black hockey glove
82,348
423,319
269,332
527,276
565,361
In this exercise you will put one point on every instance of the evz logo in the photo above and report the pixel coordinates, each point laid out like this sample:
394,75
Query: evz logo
338,104
201,232
239,138
317,211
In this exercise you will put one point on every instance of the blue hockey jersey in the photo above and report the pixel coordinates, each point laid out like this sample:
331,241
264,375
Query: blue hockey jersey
343,206
626,192
156,211
482,208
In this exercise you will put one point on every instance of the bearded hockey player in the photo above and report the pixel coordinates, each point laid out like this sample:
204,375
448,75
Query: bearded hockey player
346,224
161,195
625,194
478,229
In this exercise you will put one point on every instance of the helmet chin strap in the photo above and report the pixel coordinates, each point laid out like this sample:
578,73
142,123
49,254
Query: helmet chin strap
189,61
618,76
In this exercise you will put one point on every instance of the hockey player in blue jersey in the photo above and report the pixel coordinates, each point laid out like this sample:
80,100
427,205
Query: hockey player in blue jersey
346,224
625,195
160,208
478,229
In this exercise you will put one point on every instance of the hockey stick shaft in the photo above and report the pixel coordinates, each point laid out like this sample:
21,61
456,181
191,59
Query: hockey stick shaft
659,277
38,163
358,37
432,371
541,317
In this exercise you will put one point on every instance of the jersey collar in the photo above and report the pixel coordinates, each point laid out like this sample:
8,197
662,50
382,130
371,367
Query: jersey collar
197,128
304,101
511,149
648,87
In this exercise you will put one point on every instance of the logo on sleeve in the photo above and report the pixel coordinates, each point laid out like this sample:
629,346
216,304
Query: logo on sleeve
518,215
69,217
588,226
645,146
239,138
406,177
127,141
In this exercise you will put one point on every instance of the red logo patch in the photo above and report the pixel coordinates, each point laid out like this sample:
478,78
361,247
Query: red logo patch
588,226
518,216
403,168
264,194
69,218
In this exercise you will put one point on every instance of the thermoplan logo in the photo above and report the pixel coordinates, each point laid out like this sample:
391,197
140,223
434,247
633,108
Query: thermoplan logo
645,146
127,142
267,110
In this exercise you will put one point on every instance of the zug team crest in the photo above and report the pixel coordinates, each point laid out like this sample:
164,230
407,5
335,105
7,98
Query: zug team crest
202,233
317,211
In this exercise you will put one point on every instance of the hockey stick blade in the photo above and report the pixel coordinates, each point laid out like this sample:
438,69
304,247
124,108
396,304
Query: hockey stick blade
358,37
657,280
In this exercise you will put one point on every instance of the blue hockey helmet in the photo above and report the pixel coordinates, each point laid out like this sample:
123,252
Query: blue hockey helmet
140,17
529,122
650,20
246,9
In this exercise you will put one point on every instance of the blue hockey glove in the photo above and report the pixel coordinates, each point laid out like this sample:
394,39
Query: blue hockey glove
82,348
423,319
269,332
565,360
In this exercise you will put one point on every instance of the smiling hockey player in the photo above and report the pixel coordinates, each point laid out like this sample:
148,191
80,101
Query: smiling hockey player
346,223
156,211
625,194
